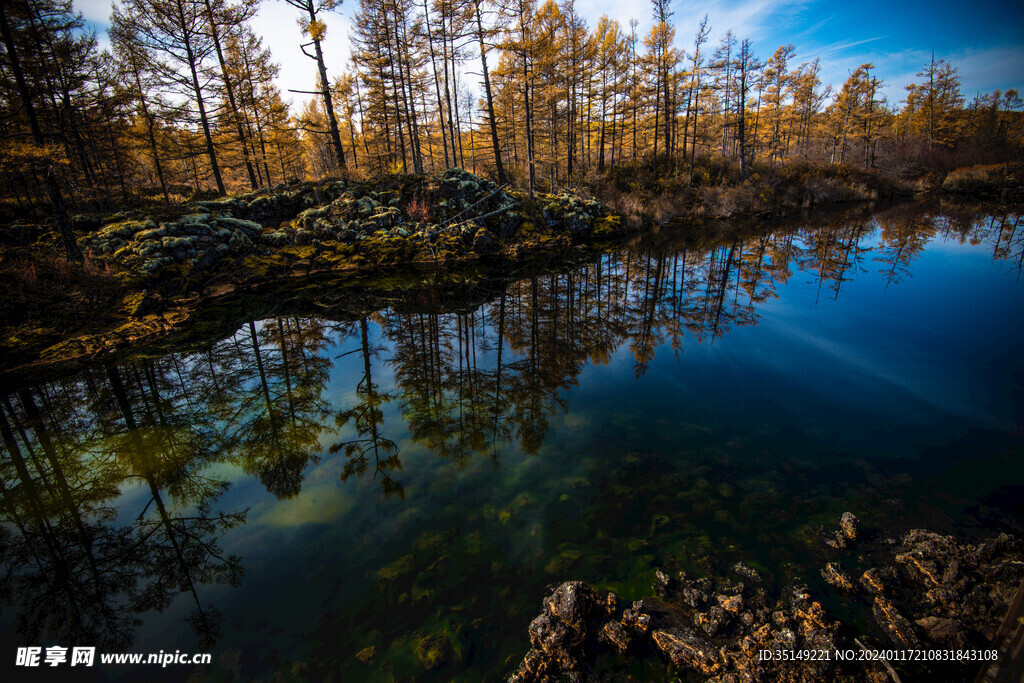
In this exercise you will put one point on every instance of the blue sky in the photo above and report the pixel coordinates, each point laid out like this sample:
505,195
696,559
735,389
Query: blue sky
983,38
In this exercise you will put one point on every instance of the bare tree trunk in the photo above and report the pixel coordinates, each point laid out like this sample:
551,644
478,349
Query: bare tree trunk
199,100
231,92
490,100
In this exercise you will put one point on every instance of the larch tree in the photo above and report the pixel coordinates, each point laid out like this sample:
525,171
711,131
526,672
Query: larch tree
139,81
176,45
15,18
933,104
777,84
662,58
222,16
745,66
697,66
312,26
484,38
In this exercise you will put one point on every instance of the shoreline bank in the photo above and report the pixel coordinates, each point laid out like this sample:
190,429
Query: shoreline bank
925,592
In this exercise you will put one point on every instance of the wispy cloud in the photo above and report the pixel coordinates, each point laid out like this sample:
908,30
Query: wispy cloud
95,11
837,49
981,70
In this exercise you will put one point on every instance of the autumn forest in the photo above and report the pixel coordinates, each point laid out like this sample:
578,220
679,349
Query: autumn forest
479,340
186,103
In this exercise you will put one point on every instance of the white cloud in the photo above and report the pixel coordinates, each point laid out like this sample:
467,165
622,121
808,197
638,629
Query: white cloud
96,11
276,22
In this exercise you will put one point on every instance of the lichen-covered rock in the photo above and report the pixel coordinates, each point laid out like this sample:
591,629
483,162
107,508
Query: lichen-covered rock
239,243
877,581
433,651
894,624
437,217
687,650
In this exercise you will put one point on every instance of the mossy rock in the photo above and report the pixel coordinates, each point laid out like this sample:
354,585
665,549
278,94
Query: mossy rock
251,229
262,266
434,650
276,238
299,252
240,243
429,541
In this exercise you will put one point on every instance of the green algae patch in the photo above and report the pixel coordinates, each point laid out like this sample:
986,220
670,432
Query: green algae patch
565,561
434,650
396,569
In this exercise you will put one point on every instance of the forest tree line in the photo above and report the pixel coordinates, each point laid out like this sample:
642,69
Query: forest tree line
185,101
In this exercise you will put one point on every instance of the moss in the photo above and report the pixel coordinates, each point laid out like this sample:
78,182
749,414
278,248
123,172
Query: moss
563,563
262,266
474,543
524,500
608,226
638,544
434,650
303,252
421,594
429,541
396,569
132,303
526,228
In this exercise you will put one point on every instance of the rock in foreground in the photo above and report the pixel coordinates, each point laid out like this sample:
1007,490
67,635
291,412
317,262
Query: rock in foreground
933,592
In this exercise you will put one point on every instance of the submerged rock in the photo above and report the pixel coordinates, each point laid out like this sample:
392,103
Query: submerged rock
837,578
849,528
434,650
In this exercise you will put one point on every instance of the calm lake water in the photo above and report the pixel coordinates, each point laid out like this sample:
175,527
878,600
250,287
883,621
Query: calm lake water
365,484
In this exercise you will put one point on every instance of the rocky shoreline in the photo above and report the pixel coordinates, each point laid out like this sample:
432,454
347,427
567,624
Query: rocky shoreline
339,224
924,592
158,272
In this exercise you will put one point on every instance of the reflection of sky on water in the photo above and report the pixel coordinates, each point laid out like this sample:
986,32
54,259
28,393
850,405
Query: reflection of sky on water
868,385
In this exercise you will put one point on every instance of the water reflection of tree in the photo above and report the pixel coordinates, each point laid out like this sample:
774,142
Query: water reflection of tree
469,382
367,417
62,561
280,410
836,253
72,569
1009,241
902,241
169,448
